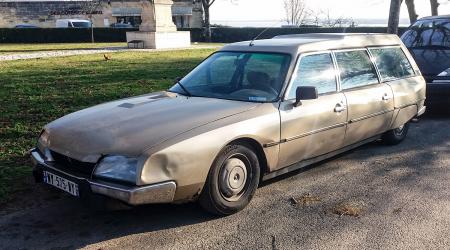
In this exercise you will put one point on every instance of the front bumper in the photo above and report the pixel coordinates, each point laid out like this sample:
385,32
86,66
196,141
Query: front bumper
156,193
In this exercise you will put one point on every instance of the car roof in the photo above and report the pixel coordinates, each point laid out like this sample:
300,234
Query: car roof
299,43
434,17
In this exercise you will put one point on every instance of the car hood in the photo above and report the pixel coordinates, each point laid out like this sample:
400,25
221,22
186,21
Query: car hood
130,126
431,61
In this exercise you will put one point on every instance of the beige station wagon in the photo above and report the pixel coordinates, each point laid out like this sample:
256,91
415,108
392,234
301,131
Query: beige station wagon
249,112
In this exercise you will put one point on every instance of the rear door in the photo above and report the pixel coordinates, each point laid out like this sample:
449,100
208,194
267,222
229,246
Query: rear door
316,126
370,103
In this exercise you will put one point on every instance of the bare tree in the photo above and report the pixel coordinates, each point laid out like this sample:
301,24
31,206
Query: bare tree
91,8
206,4
394,16
324,19
411,11
434,7
296,12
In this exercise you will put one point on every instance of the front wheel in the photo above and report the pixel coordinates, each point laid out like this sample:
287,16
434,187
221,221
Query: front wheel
397,135
232,180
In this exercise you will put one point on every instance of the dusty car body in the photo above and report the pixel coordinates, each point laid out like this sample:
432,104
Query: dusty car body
175,140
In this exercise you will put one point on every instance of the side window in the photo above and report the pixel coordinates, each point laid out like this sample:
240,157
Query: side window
316,71
356,69
392,63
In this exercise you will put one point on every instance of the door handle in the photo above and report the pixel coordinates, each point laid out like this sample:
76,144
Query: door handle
386,97
340,108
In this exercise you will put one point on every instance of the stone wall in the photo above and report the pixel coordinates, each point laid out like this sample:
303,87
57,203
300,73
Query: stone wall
44,14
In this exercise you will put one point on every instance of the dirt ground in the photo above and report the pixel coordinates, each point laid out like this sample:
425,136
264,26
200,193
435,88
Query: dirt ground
377,196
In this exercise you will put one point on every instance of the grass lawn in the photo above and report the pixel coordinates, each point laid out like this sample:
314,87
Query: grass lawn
7,49
22,48
36,91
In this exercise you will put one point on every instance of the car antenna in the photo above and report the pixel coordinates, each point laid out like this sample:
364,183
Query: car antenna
260,34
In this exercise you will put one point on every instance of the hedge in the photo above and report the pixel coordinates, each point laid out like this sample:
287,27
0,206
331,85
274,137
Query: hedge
60,35
229,35
222,35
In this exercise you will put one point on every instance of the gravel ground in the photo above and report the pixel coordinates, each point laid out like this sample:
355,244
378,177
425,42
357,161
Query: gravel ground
59,53
373,197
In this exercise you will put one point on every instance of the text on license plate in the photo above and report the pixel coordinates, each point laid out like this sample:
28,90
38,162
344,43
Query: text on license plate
61,183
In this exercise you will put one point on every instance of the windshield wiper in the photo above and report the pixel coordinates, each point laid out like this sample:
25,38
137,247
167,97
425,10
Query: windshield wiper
184,88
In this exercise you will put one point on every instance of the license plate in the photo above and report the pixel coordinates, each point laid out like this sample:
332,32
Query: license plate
61,183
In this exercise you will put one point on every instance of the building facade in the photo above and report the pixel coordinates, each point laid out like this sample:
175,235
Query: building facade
104,13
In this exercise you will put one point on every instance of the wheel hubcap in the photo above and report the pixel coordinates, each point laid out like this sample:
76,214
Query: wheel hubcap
233,178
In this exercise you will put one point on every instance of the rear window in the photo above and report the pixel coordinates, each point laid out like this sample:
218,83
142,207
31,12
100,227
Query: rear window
356,69
392,63
428,33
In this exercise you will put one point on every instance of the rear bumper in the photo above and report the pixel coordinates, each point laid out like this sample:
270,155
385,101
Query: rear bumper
156,193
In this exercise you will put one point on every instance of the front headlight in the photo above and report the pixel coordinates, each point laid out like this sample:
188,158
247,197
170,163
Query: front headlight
117,167
42,145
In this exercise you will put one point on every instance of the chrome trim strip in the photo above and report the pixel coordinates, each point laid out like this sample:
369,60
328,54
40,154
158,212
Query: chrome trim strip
370,116
315,132
316,159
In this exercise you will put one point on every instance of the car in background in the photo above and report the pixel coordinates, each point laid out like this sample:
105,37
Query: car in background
26,26
428,40
122,26
73,23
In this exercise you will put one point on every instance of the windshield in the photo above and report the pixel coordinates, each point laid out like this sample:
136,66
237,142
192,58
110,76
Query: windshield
428,33
242,76
81,24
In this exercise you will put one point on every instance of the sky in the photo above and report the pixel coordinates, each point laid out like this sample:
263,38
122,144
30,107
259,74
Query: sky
224,11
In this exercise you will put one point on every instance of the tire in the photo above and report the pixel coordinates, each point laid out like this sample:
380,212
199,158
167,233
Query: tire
395,136
232,180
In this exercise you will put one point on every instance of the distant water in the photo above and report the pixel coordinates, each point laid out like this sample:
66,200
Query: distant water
275,23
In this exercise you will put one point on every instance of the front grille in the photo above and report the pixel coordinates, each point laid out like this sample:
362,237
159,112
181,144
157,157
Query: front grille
71,165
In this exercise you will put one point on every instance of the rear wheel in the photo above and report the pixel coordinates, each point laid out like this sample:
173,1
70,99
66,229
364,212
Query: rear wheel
232,180
397,135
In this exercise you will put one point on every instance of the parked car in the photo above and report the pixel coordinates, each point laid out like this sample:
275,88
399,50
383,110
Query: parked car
249,112
25,26
73,23
122,26
428,40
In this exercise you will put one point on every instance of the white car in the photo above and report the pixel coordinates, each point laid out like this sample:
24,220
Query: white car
73,23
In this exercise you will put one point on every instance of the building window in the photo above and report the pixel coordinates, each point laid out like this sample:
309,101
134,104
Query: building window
133,20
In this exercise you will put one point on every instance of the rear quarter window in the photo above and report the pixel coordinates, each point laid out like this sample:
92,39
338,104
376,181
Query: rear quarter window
392,63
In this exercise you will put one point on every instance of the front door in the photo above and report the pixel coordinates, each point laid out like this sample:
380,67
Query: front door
370,103
316,126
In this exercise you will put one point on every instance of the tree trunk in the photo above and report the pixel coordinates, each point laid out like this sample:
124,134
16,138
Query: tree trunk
411,11
207,24
434,7
92,30
394,16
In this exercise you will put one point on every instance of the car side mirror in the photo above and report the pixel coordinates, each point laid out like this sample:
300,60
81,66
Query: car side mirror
177,79
305,93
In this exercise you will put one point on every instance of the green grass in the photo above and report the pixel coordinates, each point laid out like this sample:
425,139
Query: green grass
7,49
35,92
22,48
